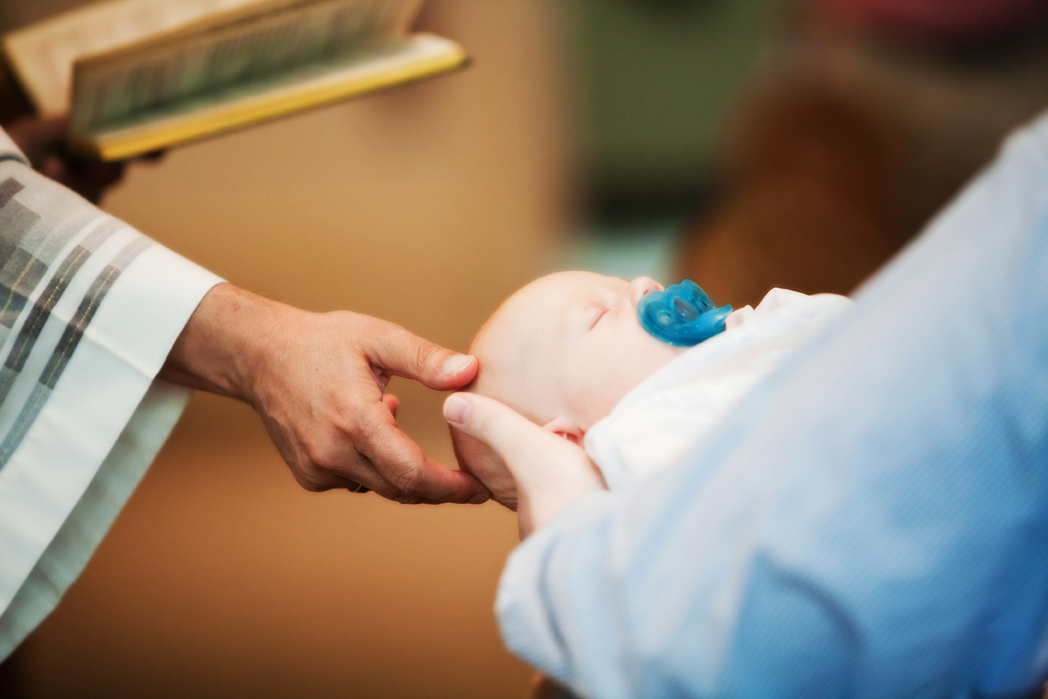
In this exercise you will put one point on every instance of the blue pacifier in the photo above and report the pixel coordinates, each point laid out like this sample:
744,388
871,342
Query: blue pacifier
681,315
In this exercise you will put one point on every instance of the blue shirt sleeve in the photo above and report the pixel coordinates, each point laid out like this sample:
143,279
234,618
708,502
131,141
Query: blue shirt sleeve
871,521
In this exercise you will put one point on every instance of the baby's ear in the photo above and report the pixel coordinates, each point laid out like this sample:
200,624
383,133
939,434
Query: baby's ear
565,428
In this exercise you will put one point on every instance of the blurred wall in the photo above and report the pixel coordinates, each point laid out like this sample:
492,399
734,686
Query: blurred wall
655,80
425,206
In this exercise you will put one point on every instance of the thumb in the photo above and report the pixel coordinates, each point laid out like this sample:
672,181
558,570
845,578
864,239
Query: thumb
405,354
519,442
550,472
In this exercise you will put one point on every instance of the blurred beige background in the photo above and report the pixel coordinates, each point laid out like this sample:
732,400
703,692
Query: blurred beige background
586,134
222,578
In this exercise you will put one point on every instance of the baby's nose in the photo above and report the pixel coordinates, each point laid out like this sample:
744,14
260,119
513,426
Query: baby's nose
641,286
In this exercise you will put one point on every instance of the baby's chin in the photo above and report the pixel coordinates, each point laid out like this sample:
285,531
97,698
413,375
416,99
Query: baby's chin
587,405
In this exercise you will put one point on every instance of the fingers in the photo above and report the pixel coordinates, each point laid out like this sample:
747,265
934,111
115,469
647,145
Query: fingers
535,457
391,402
320,480
507,432
402,353
353,473
366,478
550,472
480,461
88,178
401,462
34,135
55,168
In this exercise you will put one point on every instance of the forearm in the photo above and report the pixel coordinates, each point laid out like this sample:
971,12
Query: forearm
543,495
92,311
318,382
861,524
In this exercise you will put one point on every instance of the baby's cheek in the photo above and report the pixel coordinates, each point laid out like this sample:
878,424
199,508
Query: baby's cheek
598,386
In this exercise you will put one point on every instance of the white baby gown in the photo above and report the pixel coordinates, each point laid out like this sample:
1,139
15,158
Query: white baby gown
679,405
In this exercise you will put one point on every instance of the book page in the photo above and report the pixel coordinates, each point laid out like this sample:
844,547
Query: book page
43,54
377,67
111,87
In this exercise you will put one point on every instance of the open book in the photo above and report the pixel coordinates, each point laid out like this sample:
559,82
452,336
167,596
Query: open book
136,76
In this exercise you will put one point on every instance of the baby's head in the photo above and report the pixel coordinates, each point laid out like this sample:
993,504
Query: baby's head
566,348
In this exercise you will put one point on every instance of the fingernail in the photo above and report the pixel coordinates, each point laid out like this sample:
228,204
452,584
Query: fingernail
456,363
478,499
456,409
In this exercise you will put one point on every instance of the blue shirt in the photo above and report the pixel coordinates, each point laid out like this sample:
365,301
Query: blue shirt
872,521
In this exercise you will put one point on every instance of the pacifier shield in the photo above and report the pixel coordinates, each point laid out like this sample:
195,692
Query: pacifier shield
682,315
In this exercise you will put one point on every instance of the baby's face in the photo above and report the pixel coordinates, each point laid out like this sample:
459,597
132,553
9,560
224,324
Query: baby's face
566,348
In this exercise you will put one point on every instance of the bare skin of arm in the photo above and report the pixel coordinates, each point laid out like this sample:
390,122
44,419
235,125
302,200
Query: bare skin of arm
318,381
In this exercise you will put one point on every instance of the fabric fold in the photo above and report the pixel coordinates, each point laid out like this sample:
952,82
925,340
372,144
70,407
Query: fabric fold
89,310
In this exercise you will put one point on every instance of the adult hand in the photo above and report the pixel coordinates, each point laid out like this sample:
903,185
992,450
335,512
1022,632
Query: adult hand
318,381
550,471
477,459
43,142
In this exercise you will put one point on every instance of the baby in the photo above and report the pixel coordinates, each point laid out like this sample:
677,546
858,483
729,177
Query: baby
570,353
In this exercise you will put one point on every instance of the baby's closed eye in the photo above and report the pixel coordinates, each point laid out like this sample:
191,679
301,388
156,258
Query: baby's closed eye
593,315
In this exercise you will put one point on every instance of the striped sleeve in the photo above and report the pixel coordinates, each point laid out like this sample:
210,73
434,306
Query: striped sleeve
89,309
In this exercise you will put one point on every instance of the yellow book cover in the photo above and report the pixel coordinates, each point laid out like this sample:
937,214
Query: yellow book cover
136,76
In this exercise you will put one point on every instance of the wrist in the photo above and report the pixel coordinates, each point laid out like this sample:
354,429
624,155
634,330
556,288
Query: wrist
542,500
224,345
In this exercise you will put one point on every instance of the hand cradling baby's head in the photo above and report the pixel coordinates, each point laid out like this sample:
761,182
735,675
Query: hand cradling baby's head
563,351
